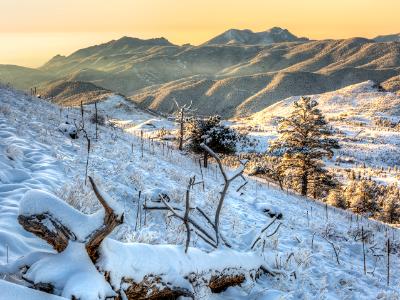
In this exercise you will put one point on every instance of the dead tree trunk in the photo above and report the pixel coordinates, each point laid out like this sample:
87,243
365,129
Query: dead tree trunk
183,110
205,160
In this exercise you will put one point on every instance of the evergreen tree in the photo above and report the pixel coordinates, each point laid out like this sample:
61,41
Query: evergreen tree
321,182
304,140
364,198
210,131
349,191
391,205
336,198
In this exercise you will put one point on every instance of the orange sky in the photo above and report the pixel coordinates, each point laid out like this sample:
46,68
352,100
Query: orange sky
32,31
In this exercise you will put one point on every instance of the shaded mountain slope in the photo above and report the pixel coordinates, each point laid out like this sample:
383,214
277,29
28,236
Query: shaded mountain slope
227,78
71,93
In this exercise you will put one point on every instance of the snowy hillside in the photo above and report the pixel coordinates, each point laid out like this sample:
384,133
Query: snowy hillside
365,120
310,252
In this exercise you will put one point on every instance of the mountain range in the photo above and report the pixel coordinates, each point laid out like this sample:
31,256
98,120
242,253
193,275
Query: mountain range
248,37
238,72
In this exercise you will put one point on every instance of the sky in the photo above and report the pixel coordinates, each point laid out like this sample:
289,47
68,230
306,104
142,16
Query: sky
33,31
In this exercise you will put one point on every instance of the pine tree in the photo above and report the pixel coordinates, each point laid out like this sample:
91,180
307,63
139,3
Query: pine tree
391,205
321,182
212,132
336,198
304,140
364,199
349,192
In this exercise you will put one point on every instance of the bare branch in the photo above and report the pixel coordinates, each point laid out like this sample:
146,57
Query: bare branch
159,208
334,249
194,223
227,181
275,231
186,216
212,225
262,231
111,220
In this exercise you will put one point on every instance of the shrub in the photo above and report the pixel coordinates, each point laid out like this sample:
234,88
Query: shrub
211,131
101,119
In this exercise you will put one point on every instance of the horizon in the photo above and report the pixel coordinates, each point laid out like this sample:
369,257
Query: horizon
42,29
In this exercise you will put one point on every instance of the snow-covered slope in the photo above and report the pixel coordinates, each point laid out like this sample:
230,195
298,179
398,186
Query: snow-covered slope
34,154
359,100
364,118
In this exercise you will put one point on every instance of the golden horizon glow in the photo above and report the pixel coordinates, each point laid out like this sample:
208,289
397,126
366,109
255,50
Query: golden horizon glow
31,32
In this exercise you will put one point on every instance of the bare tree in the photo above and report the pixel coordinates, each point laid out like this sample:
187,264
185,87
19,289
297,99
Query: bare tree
227,182
202,232
182,111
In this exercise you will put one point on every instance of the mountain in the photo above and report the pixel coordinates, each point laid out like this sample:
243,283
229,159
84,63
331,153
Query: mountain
248,37
278,71
388,38
71,93
392,84
229,79
21,77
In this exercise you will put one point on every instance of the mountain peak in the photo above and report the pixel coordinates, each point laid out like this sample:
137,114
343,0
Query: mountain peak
132,41
248,37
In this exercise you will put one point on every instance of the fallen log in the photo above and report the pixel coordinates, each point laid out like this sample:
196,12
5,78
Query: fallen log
153,288
58,237
125,271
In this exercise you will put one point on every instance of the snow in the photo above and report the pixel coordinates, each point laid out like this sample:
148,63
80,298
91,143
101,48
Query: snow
68,129
17,292
136,260
36,202
40,167
72,273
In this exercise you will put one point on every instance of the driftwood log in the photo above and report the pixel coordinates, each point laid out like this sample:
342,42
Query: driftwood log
152,287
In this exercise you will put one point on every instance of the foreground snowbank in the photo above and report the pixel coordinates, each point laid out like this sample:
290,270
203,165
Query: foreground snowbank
11,291
135,261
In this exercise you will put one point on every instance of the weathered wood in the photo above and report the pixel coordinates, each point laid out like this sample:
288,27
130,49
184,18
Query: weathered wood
220,283
111,220
153,288
58,238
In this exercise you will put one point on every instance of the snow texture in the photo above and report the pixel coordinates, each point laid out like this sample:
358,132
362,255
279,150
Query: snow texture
38,163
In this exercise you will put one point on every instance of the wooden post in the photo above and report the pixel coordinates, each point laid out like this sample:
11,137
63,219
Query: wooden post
97,121
201,172
141,140
181,128
205,159
388,261
83,123
326,211
363,247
